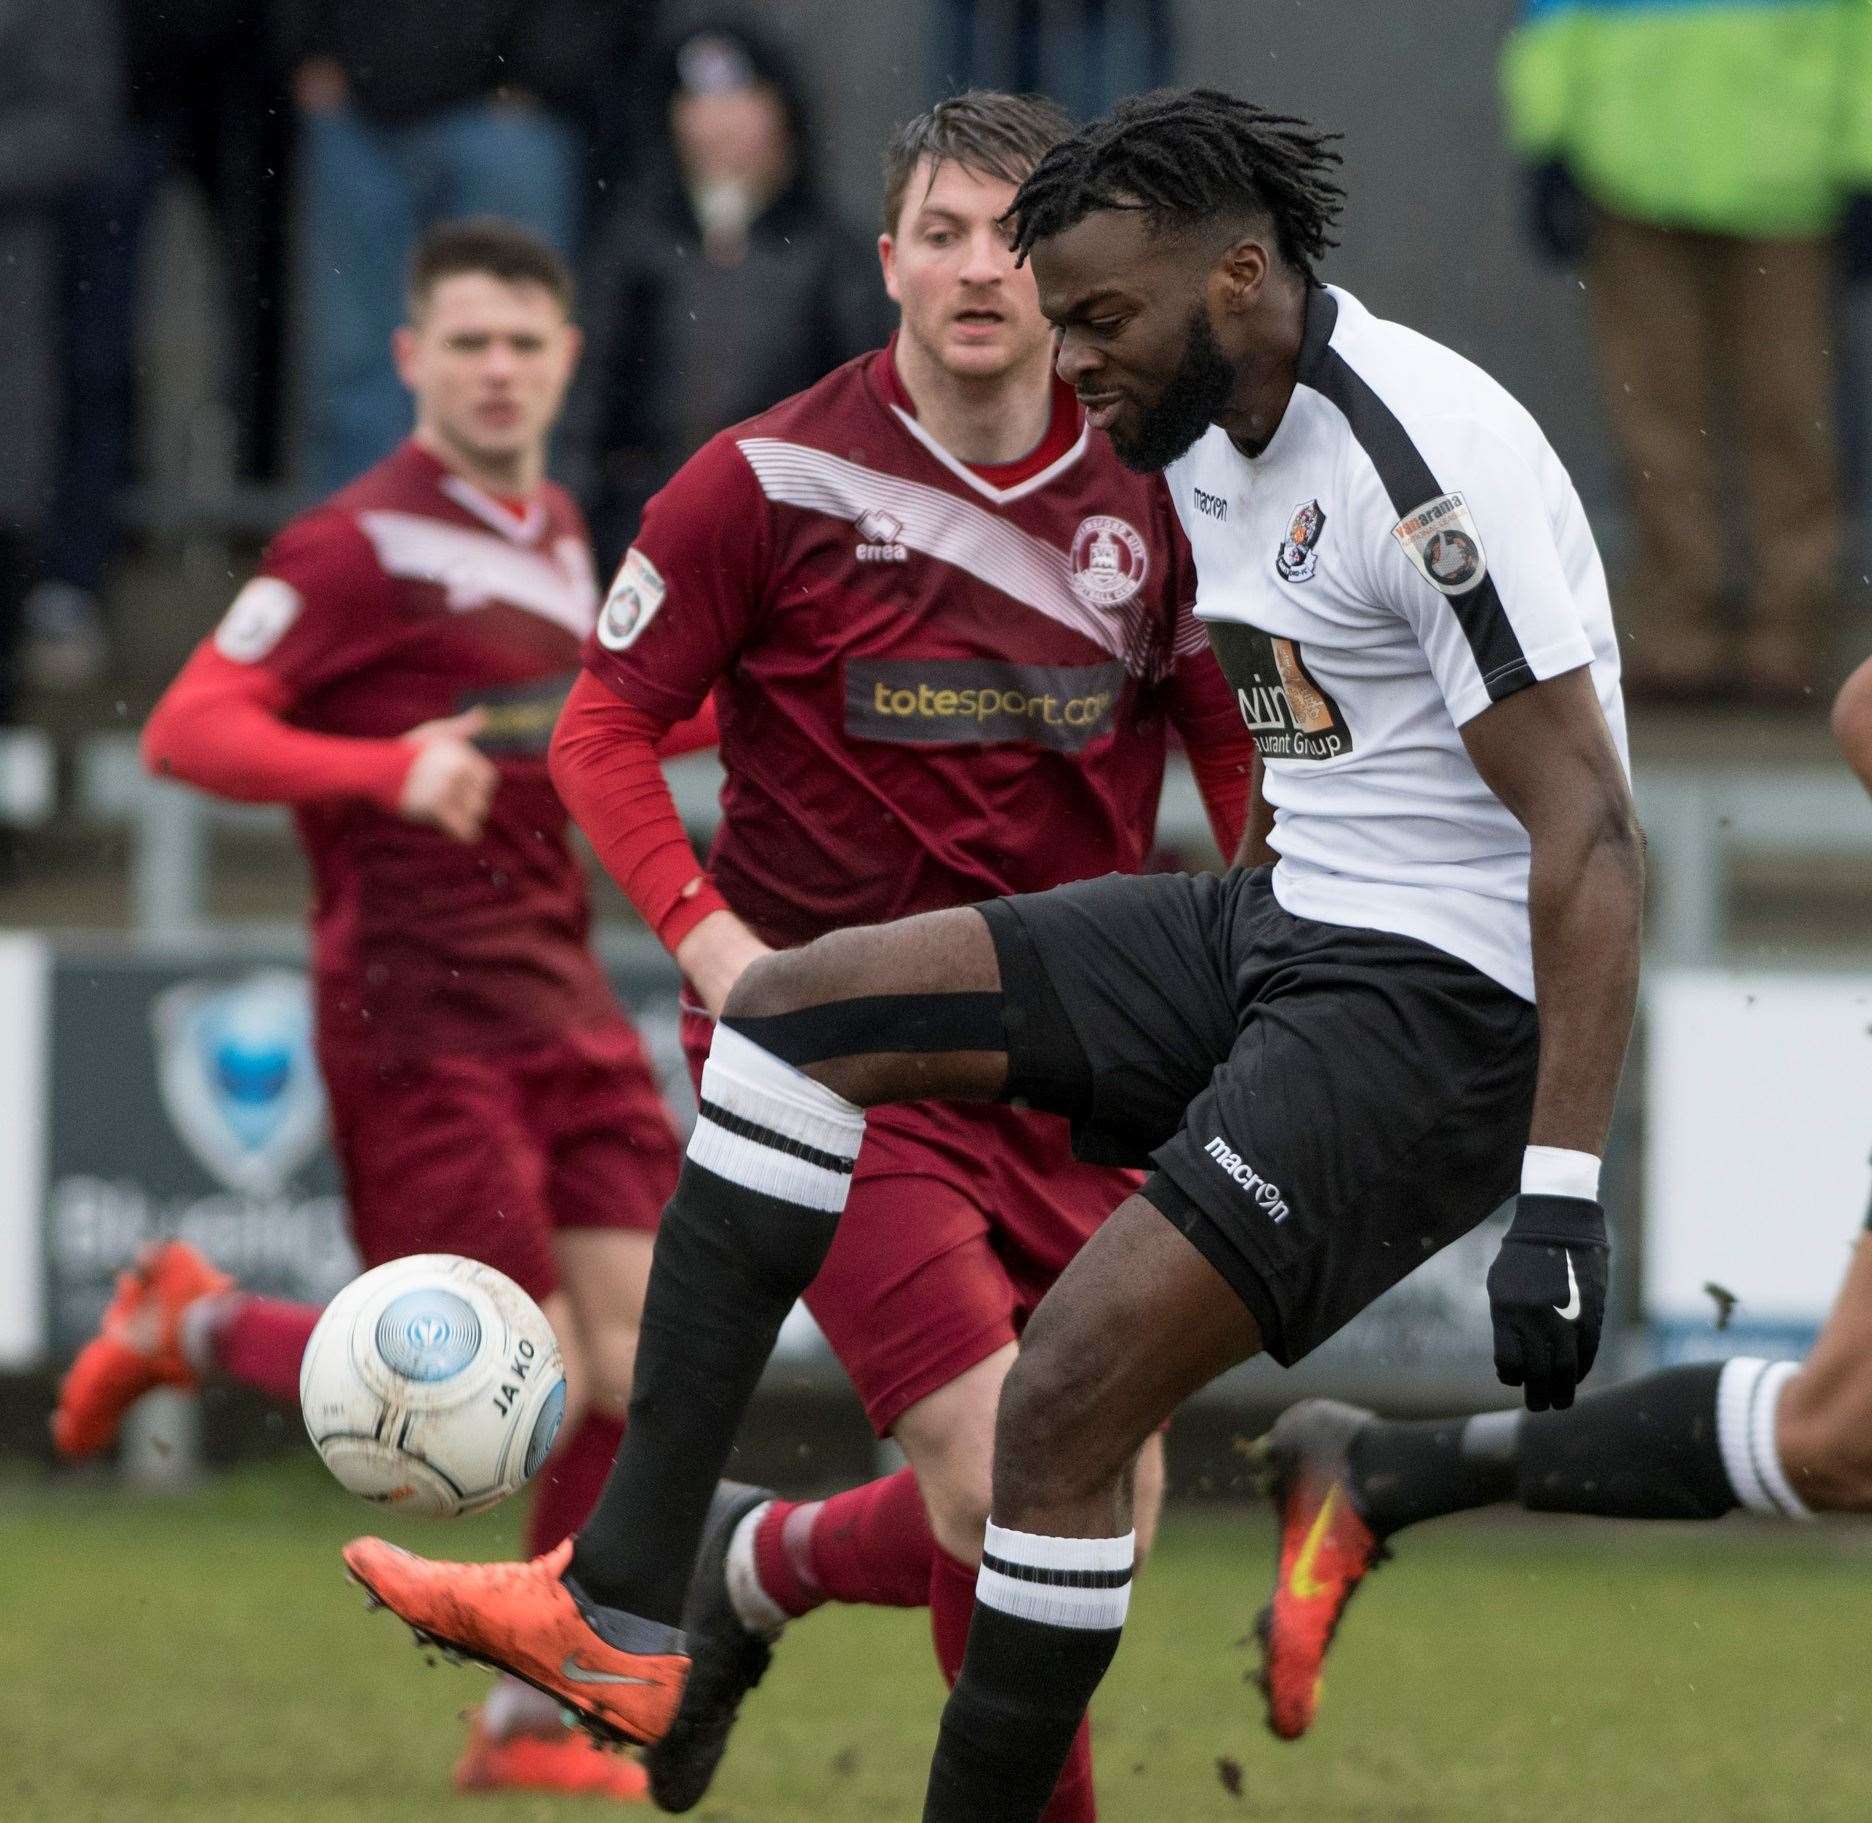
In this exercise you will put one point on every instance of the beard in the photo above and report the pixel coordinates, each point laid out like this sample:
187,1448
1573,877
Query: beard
1194,396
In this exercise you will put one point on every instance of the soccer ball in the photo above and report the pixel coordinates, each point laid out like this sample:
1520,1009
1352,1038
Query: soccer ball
432,1384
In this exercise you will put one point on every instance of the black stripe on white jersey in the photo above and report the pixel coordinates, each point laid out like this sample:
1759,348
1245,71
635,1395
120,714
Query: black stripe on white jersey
1410,484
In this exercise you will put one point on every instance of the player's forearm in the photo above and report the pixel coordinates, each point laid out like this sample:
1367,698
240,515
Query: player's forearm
1221,750
236,748
1852,722
604,766
1585,908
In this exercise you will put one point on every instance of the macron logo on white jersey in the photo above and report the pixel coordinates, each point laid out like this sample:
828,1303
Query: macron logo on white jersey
1266,1194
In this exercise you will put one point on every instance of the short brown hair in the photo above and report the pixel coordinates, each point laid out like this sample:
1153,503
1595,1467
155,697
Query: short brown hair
488,244
982,130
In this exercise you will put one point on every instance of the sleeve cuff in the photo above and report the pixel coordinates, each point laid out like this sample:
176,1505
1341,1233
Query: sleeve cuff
690,908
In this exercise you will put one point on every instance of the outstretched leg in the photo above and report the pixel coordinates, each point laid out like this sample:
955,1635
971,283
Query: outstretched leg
1780,1438
794,1063
808,1039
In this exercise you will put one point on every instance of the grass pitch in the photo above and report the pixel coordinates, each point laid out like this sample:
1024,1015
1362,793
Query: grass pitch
200,1657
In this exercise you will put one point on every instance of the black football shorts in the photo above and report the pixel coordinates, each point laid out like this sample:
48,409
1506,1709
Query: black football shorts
1325,1106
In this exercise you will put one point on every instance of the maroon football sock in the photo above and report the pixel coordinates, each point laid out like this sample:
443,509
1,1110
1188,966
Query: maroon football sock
260,1342
566,1488
870,1546
952,1606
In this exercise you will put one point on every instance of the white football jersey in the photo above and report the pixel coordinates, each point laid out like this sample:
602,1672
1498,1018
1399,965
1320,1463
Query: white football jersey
1406,551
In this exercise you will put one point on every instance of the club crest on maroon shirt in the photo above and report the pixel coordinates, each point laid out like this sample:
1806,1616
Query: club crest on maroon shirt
1109,560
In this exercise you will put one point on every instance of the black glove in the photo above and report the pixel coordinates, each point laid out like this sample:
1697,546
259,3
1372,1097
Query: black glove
1855,240
1557,213
1547,1292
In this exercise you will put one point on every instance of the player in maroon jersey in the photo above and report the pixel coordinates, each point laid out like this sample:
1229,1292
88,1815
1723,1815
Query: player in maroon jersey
947,634
393,673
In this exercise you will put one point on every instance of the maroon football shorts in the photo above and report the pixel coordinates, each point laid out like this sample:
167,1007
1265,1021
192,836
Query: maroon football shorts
961,1216
487,1154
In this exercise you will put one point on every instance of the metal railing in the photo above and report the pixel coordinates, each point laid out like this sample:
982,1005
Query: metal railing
1700,819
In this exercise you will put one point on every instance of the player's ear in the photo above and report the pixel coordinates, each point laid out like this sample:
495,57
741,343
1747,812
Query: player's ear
887,260
574,348
1243,270
403,352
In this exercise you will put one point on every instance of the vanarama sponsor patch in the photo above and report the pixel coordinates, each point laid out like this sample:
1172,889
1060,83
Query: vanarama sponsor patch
1441,539
977,701
257,619
632,603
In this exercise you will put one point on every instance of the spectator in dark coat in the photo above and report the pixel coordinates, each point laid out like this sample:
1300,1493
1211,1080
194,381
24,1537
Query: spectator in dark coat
60,100
219,129
412,113
723,282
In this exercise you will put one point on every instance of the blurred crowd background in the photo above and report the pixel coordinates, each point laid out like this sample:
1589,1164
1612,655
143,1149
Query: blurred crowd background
1647,219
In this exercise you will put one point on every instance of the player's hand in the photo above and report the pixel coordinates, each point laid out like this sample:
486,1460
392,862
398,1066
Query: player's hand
1547,1293
713,955
450,784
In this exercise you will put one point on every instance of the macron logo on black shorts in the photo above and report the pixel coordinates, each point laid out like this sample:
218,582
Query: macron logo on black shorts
1266,1194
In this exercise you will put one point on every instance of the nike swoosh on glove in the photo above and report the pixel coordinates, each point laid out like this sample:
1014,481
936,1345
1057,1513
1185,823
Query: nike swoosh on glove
1547,1294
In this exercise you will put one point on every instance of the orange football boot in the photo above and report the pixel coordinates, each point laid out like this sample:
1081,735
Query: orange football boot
1326,1548
521,1618
138,1346
569,1761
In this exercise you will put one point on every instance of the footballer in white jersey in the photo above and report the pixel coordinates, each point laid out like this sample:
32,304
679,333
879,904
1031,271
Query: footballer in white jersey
1405,552
1325,1092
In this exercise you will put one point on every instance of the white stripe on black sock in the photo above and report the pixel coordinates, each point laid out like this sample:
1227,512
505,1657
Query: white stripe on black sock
1747,1394
1492,1437
766,1126
1060,1582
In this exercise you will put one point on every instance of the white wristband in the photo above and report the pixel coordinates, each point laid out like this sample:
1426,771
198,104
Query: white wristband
1554,1171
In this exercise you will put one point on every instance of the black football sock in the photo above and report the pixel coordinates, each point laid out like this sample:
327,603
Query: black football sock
1405,1472
1048,1614
755,1210
1685,1443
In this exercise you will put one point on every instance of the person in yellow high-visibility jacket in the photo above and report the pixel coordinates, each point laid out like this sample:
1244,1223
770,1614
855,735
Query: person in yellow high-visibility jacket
1710,161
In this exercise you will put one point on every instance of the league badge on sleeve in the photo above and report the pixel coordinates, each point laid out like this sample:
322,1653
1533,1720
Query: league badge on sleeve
632,603
1441,539
257,619
1298,556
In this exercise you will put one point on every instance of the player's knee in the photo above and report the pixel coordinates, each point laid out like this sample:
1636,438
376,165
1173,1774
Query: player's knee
779,982
783,997
795,1003
957,1499
1052,1449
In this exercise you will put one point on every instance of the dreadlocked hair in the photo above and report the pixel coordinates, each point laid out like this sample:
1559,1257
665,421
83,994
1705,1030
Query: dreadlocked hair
1182,155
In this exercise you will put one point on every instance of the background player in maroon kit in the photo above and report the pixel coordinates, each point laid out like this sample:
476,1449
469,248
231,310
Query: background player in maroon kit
393,674
947,635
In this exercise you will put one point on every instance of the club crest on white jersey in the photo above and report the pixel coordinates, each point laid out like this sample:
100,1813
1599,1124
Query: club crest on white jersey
1298,556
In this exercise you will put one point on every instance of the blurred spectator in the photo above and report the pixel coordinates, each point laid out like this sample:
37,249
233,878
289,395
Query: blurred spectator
1711,164
60,94
168,126
412,113
1086,54
721,284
